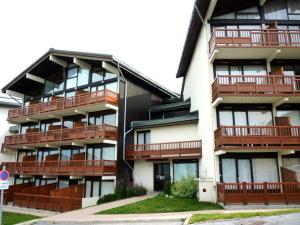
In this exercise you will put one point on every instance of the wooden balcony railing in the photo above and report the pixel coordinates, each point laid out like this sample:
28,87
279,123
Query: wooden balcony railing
64,167
245,193
256,85
254,38
184,149
260,137
52,203
83,133
105,96
8,194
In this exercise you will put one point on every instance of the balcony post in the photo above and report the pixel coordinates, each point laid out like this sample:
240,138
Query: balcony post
265,186
244,186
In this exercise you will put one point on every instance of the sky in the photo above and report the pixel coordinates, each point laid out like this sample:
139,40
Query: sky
147,35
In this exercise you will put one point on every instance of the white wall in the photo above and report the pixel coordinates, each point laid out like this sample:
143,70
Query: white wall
143,174
4,131
175,133
197,87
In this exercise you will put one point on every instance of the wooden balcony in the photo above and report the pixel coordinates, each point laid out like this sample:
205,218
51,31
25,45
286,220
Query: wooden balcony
257,137
171,150
64,168
69,136
257,193
84,102
256,44
256,86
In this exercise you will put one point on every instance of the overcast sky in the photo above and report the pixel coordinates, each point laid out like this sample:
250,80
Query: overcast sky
147,35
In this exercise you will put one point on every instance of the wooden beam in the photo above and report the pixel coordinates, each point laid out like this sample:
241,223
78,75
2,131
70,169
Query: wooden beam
35,78
110,68
82,63
58,61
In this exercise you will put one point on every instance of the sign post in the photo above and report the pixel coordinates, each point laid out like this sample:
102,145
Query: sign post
4,184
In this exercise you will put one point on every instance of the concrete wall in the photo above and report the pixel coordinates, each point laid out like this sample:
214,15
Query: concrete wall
143,174
184,132
197,87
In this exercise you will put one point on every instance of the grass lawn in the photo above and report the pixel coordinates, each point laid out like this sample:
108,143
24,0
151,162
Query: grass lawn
10,218
205,217
161,204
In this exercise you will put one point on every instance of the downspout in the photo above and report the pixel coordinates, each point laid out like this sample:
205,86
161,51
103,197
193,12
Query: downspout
124,125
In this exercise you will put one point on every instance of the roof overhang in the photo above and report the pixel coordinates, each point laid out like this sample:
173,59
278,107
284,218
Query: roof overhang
56,58
205,7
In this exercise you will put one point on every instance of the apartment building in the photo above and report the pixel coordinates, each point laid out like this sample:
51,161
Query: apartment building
240,67
77,108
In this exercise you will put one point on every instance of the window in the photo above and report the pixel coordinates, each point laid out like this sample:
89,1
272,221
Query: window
107,187
67,152
294,116
99,118
184,169
250,13
239,70
293,9
92,187
77,76
249,169
245,117
275,10
143,137
46,123
74,121
98,152
63,184
26,126
100,75
43,153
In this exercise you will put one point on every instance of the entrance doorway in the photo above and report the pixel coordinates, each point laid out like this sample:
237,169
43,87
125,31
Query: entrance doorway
161,175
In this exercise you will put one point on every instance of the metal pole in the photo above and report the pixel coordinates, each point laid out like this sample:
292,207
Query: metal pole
1,203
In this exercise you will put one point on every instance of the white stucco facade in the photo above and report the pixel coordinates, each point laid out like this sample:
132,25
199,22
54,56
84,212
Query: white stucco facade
143,173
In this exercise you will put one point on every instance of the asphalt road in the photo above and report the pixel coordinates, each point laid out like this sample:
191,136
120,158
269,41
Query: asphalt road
288,219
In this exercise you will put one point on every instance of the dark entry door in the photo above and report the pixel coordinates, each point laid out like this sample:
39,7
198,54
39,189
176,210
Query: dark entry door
161,174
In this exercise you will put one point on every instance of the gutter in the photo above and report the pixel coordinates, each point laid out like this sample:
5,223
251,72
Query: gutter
124,125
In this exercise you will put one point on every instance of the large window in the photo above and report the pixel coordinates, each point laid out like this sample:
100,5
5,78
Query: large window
98,152
185,169
67,152
43,153
100,75
99,118
45,124
95,187
294,116
239,70
282,10
77,76
241,117
249,169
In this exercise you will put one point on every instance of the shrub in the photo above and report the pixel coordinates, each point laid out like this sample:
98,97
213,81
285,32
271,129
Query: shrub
107,198
185,188
167,187
124,189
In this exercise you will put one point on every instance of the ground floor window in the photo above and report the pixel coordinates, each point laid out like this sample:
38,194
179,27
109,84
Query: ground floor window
39,181
19,180
292,163
95,187
249,169
184,169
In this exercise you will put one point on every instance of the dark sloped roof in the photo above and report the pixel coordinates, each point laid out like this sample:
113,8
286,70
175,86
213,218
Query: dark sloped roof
222,6
165,122
176,105
106,57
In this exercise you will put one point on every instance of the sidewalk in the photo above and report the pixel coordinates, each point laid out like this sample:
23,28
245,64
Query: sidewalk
87,214
34,212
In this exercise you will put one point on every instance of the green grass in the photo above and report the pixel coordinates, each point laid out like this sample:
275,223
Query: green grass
10,218
161,204
205,217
